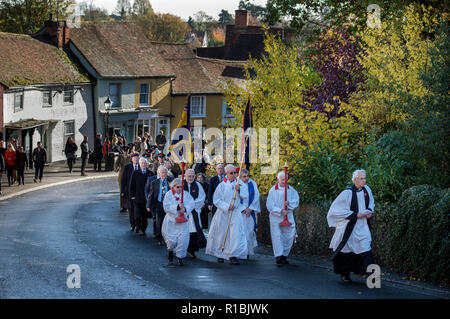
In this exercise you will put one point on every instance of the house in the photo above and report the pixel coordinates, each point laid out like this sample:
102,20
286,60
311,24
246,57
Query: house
128,71
148,82
243,38
44,96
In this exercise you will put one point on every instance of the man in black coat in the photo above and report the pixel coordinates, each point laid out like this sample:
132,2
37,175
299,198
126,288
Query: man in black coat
39,160
2,169
125,186
98,153
213,183
137,195
161,141
156,194
84,155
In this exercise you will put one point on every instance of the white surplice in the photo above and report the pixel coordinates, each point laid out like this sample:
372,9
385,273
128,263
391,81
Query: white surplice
282,236
176,235
236,242
249,223
361,238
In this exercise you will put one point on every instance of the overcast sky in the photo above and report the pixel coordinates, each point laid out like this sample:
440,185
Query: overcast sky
183,8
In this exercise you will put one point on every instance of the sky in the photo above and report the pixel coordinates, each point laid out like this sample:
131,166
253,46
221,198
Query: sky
184,8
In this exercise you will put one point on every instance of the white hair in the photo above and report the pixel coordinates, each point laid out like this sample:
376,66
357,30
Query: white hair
189,170
229,166
280,174
161,168
143,160
355,173
219,165
175,182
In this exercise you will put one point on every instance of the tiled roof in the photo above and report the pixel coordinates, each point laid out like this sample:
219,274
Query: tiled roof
195,74
118,50
26,61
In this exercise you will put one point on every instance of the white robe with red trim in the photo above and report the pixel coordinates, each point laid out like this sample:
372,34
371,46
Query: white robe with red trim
236,240
176,235
282,236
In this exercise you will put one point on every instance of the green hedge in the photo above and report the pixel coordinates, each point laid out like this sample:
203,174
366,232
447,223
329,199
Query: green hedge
410,236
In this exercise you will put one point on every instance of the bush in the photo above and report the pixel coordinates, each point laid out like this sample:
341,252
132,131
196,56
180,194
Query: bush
323,174
419,234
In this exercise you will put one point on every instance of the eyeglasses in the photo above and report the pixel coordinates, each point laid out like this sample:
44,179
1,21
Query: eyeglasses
232,173
176,187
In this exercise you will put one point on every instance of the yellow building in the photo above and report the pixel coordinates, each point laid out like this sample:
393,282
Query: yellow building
200,78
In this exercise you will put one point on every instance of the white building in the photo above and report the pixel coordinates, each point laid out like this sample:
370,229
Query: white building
44,96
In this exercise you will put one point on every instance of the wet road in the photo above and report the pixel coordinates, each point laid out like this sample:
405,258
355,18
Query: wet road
43,232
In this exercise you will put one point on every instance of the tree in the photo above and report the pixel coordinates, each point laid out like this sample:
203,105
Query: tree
337,12
225,17
203,22
123,8
255,10
393,58
275,85
168,27
28,16
142,7
90,12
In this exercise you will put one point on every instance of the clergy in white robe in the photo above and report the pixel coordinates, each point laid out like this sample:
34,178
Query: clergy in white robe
250,200
236,241
197,239
282,236
349,214
176,235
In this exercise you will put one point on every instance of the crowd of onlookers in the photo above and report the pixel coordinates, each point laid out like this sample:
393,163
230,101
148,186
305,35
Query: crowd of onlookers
14,161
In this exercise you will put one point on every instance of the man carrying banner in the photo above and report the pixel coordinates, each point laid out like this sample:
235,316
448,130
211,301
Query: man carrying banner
351,241
227,238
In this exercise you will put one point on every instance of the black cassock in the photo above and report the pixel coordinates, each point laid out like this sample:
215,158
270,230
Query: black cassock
197,240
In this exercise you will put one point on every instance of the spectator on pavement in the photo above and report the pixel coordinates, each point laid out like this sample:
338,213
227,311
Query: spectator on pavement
70,151
39,159
10,159
21,163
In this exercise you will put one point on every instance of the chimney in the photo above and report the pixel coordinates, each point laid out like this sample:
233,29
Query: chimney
241,18
58,31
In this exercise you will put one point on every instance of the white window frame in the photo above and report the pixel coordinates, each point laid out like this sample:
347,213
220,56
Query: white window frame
118,103
65,134
16,95
198,102
72,95
146,94
44,104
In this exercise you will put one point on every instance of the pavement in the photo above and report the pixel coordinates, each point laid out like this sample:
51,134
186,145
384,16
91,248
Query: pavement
55,174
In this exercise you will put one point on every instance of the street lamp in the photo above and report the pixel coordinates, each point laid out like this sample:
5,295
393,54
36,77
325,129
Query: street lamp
108,105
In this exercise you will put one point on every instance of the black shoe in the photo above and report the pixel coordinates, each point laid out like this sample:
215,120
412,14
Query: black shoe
132,228
180,262
346,278
170,256
191,255
234,261
141,233
279,260
284,260
136,230
123,210
220,260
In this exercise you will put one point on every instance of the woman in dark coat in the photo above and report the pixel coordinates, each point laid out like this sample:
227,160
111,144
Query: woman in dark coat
70,151
21,162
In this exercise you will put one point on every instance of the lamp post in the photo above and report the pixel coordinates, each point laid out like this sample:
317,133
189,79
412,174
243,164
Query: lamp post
108,105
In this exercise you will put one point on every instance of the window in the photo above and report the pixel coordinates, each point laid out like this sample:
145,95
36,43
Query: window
144,95
114,94
47,98
69,130
68,96
18,101
198,106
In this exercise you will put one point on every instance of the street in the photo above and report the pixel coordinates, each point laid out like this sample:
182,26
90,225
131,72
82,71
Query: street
43,232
